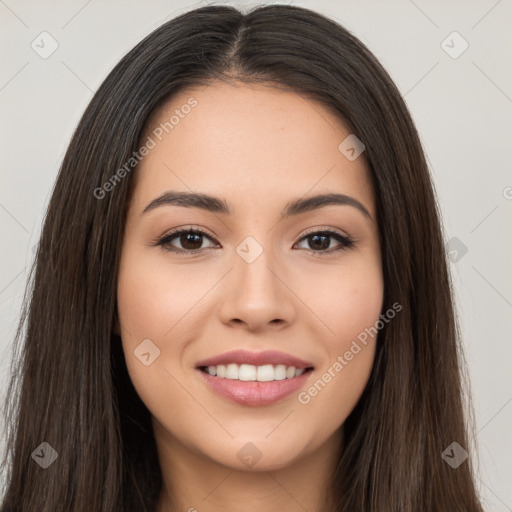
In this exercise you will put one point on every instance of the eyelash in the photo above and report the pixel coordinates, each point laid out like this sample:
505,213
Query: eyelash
345,241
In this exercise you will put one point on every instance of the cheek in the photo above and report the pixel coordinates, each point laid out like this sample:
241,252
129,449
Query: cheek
349,302
152,305
346,298
152,298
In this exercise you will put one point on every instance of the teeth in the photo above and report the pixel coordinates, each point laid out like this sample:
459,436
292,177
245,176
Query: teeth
248,372
231,371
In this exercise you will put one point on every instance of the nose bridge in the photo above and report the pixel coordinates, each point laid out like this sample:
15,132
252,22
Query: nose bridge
255,251
254,259
257,295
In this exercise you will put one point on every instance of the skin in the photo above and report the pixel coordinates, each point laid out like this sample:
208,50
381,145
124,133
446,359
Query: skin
257,147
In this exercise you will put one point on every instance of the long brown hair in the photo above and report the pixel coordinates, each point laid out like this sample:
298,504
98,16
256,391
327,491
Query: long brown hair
70,387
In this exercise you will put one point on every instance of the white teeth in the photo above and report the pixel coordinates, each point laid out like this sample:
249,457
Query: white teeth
280,372
246,372
249,372
231,371
265,373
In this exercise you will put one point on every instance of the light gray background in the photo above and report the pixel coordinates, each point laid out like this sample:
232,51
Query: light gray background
462,108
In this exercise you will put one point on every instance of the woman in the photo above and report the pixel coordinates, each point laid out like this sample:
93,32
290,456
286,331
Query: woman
306,358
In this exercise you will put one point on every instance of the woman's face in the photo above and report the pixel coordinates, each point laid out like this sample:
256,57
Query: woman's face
258,281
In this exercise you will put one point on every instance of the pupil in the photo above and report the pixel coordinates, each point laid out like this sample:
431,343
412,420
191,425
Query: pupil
186,240
322,246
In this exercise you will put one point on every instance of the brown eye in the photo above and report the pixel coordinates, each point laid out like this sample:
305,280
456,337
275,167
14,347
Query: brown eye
320,241
190,240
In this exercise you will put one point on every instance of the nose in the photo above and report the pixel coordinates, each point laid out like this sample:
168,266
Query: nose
257,295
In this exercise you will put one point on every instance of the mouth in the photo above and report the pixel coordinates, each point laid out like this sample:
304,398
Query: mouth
254,378
255,386
253,373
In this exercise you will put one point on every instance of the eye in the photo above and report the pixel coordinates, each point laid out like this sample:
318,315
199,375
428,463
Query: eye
320,241
191,240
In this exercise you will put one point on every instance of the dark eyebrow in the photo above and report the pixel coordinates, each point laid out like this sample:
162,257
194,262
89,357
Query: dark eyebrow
216,205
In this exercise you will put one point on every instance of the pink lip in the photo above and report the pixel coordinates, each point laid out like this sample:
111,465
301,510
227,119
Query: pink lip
254,393
256,358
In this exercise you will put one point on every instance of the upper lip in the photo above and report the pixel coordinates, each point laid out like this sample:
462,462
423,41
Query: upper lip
255,358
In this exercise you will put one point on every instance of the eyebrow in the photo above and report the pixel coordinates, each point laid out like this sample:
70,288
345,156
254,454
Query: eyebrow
217,205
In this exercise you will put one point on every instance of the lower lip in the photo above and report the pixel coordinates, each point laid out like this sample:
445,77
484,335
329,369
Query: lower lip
255,393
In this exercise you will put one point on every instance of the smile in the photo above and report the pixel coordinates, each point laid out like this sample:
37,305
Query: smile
252,373
254,393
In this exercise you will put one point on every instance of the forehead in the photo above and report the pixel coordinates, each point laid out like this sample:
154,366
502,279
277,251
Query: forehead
250,144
